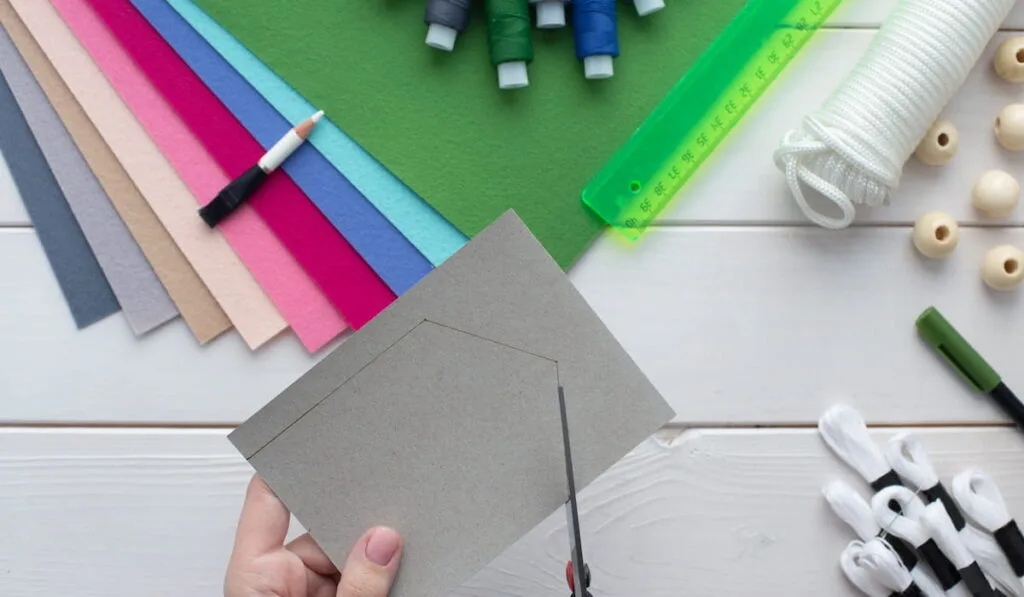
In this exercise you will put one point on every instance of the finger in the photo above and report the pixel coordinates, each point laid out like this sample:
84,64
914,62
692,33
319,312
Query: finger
312,556
263,524
372,565
318,585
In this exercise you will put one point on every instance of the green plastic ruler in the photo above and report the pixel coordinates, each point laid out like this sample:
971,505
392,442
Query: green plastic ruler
686,127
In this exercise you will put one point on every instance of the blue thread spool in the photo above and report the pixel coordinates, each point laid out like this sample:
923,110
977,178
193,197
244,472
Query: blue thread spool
595,28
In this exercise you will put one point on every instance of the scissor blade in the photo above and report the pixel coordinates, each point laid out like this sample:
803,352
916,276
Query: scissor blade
572,513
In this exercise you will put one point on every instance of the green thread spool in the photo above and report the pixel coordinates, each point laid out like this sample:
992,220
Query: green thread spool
510,40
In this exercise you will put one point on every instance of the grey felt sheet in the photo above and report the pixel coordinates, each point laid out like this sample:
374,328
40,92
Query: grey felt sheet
143,298
81,280
441,418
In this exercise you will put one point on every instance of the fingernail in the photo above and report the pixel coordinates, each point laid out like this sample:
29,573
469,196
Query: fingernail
382,546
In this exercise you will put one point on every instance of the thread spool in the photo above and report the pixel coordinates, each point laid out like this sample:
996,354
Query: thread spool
852,150
445,20
596,32
550,13
510,41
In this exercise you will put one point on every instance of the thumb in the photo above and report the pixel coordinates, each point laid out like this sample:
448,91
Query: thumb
372,565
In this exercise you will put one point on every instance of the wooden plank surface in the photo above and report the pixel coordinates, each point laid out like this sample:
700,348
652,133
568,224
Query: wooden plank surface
733,325
49,371
714,512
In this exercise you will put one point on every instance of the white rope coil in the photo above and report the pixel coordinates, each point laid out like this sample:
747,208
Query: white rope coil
853,149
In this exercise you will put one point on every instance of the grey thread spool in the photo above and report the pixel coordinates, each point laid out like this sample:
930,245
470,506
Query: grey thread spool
445,20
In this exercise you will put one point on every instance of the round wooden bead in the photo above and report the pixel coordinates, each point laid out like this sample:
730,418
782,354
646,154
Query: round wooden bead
1010,127
996,193
936,234
1009,60
1003,268
939,144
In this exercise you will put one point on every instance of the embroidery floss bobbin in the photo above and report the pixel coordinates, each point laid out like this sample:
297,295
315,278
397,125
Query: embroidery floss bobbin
596,32
852,150
936,521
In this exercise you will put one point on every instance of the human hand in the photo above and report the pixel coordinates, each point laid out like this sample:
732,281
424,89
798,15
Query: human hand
263,566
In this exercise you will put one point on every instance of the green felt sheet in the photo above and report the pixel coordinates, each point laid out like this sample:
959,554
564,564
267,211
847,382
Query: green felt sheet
439,122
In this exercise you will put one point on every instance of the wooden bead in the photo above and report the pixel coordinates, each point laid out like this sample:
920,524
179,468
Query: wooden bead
1009,60
996,194
1010,127
939,144
1003,268
936,234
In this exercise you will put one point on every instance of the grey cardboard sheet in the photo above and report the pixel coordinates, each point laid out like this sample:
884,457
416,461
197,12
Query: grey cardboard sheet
78,274
145,303
440,417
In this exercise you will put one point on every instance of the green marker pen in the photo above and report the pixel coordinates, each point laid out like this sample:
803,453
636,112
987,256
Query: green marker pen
952,346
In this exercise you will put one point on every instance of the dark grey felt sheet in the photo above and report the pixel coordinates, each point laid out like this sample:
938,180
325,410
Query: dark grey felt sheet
440,417
78,274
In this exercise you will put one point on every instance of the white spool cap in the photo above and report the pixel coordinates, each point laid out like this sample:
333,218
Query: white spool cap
646,7
550,14
441,37
598,67
512,75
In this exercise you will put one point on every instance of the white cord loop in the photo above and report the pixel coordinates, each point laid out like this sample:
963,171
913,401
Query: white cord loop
844,431
853,149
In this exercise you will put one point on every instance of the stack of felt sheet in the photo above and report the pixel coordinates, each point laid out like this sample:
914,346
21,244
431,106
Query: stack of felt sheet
119,118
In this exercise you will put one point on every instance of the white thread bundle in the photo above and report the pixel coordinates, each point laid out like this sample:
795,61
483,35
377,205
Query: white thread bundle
845,432
906,525
853,149
854,510
885,566
980,498
908,458
940,527
852,563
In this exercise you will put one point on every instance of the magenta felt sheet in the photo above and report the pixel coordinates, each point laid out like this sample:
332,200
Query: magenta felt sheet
309,313
341,273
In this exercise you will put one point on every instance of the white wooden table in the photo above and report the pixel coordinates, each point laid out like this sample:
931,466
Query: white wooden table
116,479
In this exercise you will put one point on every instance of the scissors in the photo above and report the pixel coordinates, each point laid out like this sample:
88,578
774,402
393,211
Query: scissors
577,573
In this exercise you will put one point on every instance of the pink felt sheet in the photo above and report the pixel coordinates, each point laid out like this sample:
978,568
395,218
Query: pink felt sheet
312,317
